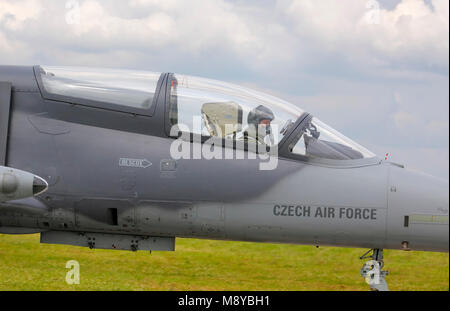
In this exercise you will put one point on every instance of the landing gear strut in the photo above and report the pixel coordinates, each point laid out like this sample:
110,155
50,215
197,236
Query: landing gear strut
372,270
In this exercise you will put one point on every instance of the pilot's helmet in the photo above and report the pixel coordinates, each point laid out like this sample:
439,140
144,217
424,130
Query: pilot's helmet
258,114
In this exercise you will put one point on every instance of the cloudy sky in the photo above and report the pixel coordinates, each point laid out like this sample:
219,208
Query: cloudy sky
378,71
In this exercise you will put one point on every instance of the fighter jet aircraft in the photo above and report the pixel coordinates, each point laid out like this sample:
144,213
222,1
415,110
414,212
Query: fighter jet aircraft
130,160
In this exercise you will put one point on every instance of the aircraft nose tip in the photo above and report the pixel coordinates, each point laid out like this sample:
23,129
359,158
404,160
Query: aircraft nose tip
39,185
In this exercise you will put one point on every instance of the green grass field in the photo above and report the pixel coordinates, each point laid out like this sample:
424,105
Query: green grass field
211,265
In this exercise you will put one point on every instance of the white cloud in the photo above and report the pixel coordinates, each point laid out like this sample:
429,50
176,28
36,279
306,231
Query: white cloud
15,13
404,120
410,32
291,32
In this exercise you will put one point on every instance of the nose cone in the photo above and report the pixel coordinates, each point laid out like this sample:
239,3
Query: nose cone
418,210
39,185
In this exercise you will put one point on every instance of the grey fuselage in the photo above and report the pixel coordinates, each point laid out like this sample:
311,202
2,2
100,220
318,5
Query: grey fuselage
85,154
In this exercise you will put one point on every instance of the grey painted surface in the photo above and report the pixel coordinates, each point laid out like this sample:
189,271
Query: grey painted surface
5,103
108,241
79,150
424,200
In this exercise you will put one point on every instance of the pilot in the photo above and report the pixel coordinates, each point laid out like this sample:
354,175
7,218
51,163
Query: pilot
259,126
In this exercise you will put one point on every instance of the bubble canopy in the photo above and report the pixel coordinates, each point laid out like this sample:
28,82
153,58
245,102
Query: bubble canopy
228,110
254,116
204,106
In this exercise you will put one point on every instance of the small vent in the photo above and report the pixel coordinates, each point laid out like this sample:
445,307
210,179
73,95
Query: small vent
112,213
406,222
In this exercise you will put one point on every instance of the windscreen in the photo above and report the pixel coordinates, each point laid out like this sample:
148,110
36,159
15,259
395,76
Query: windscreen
318,140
